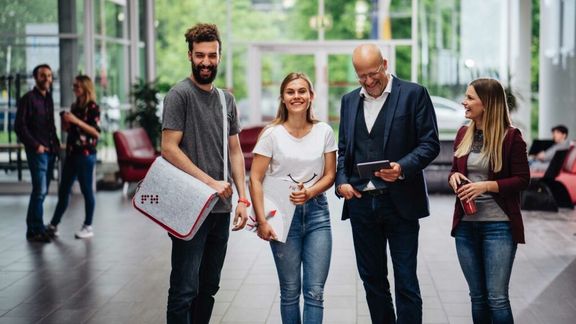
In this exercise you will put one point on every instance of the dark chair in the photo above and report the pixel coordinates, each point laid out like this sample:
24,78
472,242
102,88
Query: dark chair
135,155
545,193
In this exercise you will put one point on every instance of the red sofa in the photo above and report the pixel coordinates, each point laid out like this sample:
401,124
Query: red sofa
248,138
567,175
135,154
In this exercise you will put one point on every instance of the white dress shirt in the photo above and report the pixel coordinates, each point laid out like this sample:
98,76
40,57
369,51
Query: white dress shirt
372,106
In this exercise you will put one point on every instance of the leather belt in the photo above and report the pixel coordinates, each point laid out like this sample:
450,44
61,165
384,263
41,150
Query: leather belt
377,192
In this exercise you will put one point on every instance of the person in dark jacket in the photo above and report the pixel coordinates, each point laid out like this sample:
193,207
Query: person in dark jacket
82,123
491,155
386,118
35,128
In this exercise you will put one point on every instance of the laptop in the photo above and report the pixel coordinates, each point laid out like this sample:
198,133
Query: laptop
539,146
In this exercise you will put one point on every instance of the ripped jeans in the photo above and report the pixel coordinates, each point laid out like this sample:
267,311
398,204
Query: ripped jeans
308,247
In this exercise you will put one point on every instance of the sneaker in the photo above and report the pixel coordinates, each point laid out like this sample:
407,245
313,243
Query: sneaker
38,237
52,231
85,232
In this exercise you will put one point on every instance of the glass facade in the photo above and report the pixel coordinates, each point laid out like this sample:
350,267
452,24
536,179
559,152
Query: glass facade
96,37
73,36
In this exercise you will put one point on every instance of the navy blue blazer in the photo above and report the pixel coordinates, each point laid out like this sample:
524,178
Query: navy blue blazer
410,139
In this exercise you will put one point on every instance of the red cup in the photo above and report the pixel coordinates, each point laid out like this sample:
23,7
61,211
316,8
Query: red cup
470,205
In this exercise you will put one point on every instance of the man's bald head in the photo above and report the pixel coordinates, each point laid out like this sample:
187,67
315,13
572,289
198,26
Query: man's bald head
366,55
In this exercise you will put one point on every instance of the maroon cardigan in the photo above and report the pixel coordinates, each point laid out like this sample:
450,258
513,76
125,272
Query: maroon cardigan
512,179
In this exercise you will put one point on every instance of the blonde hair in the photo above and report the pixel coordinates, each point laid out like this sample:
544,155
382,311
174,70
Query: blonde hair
87,86
495,120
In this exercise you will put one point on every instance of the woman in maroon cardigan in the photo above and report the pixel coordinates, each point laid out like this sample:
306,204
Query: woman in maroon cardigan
490,154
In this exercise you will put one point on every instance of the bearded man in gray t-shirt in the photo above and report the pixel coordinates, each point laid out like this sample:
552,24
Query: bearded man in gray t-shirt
192,141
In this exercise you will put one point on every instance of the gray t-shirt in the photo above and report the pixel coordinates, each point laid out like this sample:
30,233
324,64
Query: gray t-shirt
198,114
488,209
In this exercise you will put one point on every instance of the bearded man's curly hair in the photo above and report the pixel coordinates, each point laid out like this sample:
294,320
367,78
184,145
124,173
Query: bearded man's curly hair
203,33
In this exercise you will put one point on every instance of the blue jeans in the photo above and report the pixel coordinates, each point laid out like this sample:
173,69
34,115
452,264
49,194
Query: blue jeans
81,167
486,253
196,267
308,246
41,170
375,224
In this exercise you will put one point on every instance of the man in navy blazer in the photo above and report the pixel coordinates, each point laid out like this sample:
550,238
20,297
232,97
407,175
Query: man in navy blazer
386,119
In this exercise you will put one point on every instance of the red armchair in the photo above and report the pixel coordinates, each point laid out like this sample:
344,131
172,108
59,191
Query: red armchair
567,176
135,154
248,137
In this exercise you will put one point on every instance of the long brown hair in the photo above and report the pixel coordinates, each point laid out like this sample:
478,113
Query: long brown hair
87,86
282,113
495,120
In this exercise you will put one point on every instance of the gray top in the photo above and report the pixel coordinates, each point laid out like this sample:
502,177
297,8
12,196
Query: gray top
198,114
488,209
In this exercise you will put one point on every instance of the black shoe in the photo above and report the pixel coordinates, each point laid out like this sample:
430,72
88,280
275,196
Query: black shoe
38,237
52,231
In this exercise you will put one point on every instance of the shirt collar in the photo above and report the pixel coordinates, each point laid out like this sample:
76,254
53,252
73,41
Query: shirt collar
386,91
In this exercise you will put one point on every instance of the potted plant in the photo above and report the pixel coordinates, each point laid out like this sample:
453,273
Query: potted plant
145,113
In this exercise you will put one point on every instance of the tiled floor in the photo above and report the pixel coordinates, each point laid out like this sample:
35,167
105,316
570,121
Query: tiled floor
121,274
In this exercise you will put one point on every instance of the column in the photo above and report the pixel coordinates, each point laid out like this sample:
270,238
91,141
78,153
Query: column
557,67
68,50
519,58
150,40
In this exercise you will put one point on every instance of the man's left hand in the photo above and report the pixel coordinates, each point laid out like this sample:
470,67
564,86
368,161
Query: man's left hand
391,174
240,217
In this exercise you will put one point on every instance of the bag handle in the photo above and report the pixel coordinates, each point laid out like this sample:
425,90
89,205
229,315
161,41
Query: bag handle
224,131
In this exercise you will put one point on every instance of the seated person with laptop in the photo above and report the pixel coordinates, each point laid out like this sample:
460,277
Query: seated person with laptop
539,160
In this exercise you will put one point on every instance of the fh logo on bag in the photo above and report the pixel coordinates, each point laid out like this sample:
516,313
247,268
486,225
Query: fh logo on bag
151,199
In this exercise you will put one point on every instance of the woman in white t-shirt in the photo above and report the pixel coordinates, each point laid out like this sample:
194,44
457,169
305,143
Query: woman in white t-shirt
296,147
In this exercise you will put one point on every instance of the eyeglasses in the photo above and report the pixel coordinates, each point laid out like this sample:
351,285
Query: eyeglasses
371,75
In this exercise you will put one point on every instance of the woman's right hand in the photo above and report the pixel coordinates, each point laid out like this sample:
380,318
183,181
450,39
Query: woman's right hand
455,179
266,232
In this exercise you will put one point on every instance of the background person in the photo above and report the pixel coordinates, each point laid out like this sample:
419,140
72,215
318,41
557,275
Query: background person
35,128
82,123
491,154
540,161
386,119
192,141
296,147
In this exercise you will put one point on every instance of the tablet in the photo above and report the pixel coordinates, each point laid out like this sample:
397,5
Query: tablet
366,169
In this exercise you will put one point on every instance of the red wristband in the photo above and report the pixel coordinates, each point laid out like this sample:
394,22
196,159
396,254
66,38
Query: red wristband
245,201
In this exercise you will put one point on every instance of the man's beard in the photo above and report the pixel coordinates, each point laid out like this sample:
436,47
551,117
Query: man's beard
43,85
204,80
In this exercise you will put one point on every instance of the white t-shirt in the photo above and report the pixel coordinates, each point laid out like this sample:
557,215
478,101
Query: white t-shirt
296,159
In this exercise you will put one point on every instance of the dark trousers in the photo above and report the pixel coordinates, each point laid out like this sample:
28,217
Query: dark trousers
196,267
79,167
375,224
